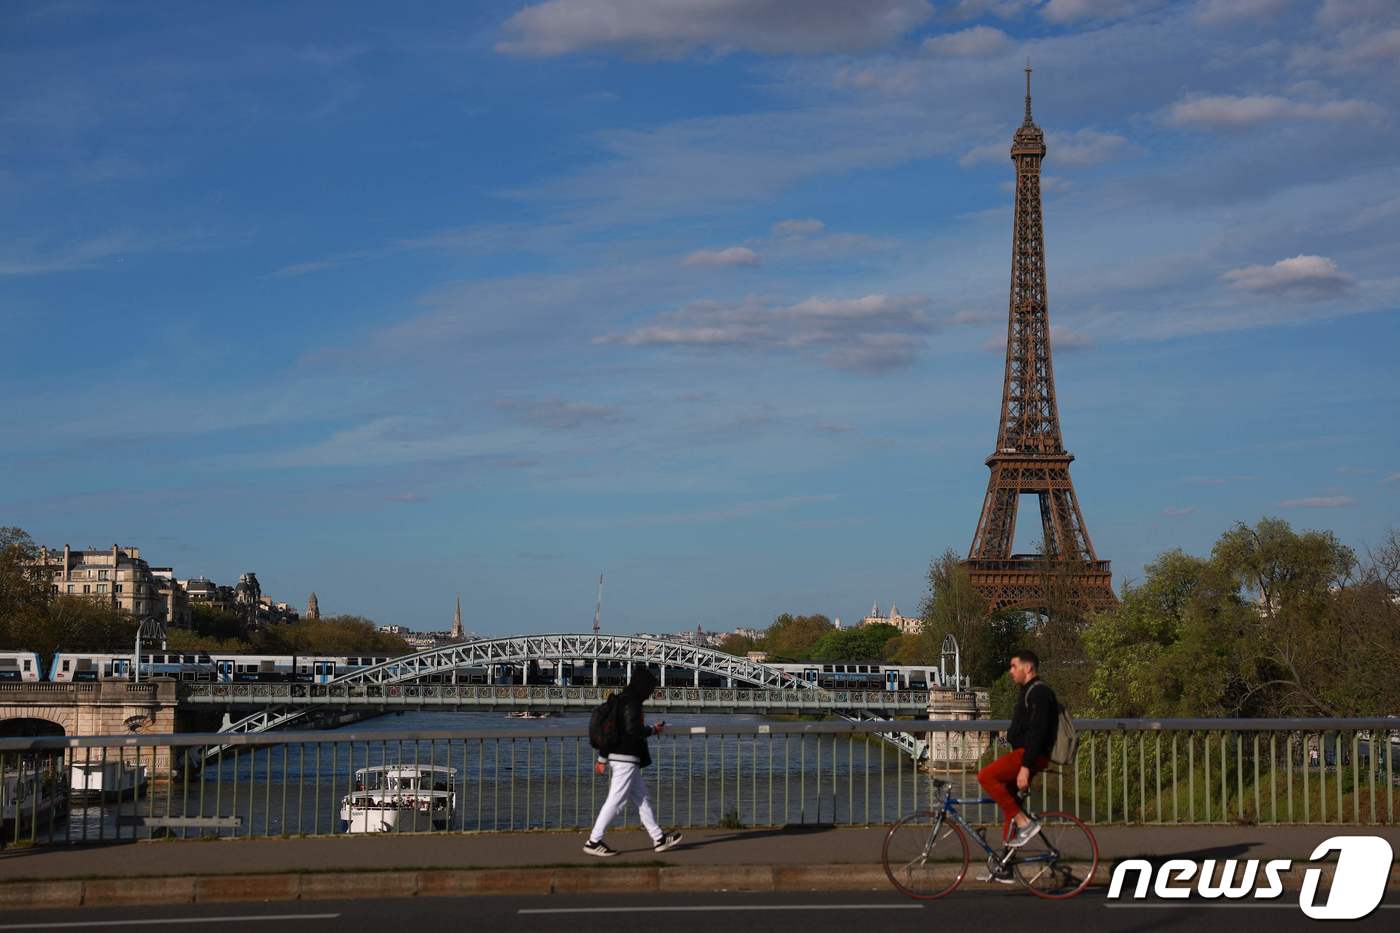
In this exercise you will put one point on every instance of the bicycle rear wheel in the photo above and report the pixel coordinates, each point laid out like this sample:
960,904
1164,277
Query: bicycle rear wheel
925,855
1059,862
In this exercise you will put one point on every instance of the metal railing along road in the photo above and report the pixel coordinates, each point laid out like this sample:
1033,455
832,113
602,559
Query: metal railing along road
1196,771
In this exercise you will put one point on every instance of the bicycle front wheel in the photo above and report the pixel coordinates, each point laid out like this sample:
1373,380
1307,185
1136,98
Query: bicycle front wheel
1059,862
925,855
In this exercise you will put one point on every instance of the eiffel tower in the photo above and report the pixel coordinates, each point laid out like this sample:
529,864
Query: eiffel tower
1030,456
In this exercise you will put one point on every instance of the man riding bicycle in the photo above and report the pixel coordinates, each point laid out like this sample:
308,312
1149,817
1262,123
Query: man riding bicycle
1031,735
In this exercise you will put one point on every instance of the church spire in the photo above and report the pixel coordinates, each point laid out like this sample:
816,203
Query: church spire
457,620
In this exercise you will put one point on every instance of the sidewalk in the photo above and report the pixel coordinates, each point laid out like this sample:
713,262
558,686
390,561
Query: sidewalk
794,858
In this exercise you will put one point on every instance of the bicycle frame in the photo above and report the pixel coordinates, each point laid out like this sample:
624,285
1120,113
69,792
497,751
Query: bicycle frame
949,809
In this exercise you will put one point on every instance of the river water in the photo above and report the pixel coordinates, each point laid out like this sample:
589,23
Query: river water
534,780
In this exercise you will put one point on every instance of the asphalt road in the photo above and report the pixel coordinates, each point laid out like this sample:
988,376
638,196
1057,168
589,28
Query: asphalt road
692,913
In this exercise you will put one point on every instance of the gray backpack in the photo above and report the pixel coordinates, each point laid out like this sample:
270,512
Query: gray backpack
1066,737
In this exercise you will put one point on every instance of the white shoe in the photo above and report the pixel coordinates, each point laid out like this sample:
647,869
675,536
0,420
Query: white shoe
668,841
995,871
1023,835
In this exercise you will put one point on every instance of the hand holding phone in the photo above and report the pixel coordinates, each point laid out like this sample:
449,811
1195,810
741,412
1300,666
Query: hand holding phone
659,727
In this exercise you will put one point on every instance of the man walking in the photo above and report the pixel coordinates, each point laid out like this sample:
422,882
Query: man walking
1034,723
626,761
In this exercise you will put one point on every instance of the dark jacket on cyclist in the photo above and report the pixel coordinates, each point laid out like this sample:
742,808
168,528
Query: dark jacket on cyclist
632,737
1035,721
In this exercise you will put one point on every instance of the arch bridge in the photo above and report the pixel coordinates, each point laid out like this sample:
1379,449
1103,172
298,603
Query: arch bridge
409,682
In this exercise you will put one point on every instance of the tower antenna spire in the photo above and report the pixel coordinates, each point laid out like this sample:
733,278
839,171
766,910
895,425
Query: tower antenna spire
598,610
1028,91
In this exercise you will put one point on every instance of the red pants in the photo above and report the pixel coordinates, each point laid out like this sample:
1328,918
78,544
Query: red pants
998,779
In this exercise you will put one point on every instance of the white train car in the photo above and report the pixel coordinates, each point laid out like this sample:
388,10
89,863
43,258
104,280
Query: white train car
851,675
19,666
78,667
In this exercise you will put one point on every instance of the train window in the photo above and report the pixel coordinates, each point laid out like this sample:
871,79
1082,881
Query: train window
67,665
28,664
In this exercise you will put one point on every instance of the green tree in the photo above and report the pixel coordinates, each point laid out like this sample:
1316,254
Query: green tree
862,643
1274,623
790,637
337,635
1172,646
70,623
1291,578
738,645
23,593
953,607
212,622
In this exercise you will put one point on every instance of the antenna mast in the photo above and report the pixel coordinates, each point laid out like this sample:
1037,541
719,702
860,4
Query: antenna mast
598,610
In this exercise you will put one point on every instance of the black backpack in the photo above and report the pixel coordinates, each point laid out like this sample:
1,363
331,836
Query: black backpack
604,731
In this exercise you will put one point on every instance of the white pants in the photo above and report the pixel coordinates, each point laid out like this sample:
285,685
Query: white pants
626,784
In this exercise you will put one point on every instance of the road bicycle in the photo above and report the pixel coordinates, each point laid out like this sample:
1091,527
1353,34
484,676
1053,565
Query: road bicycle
926,854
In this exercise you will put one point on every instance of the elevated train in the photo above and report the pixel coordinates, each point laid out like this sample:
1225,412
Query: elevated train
200,667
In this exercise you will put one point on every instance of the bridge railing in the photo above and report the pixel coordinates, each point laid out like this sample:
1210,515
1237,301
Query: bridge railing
540,776
548,697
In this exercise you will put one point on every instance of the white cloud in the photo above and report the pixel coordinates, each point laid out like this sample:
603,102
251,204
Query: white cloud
1341,14
1318,502
86,254
558,414
670,28
803,226
1001,9
977,40
1230,112
975,316
1218,480
868,333
1084,147
1069,11
1306,276
1214,12
722,258
991,152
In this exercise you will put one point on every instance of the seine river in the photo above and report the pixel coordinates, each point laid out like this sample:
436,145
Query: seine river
534,779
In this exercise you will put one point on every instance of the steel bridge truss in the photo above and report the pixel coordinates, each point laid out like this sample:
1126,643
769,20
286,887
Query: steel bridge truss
519,650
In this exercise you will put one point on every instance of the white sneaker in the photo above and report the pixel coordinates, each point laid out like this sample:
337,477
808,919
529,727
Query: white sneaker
1023,835
600,848
668,841
1000,877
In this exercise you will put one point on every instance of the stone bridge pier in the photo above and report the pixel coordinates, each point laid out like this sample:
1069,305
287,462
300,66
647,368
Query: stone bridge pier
957,751
104,708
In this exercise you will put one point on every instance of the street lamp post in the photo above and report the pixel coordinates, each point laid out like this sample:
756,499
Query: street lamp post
150,628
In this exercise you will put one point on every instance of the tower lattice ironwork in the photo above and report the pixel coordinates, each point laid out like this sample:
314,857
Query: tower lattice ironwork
1030,456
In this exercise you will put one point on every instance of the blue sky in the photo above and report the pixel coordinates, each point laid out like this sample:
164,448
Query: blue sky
396,302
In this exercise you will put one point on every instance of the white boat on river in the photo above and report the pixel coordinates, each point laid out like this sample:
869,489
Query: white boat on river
30,796
106,779
399,798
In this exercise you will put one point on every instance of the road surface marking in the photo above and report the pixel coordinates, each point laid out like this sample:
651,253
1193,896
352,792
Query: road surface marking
1218,906
714,907
75,924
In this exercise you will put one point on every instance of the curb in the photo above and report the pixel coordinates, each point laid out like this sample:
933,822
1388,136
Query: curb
338,886
442,883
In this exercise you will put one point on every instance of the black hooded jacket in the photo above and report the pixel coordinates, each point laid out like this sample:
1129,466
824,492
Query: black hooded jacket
632,746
